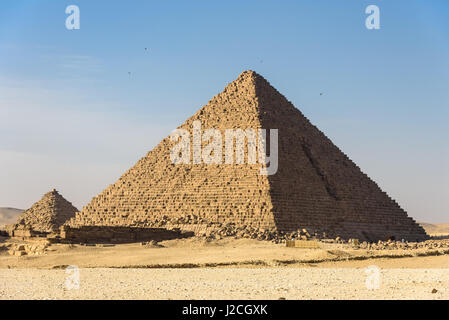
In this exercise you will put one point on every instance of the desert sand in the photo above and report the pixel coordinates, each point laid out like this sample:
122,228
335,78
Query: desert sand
223,269
226,283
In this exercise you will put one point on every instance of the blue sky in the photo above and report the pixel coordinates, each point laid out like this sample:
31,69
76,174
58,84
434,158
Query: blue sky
72,117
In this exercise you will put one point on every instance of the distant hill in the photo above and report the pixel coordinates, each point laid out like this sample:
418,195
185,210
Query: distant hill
9,215
435,229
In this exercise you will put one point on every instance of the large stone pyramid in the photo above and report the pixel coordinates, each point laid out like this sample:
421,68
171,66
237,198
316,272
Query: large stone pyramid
316,186
48,214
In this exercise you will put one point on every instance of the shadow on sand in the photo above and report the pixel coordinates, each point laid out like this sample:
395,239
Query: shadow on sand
109,234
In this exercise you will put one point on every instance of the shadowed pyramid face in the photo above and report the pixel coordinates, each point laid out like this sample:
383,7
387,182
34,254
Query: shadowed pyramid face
314,186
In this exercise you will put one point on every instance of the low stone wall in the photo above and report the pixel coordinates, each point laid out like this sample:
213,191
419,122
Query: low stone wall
19,231
106,234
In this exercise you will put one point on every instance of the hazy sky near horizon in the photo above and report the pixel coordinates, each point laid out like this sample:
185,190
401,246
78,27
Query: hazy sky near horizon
74,119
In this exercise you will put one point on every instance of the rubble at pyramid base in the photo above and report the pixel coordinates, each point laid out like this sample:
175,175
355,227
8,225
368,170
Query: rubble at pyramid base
207,232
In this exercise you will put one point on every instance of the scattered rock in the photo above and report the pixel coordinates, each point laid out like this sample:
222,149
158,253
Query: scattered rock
151,244
17,253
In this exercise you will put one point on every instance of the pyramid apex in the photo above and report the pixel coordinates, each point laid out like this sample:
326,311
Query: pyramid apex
248,78
249,74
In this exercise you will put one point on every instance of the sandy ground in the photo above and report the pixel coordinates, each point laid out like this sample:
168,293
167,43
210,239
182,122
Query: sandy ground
191,253
225,283
225,269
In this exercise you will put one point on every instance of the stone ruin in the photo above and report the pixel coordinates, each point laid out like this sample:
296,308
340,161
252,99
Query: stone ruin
317,188
107,234
44,217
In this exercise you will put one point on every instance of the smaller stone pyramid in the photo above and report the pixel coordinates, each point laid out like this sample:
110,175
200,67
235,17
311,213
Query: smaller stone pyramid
48,214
